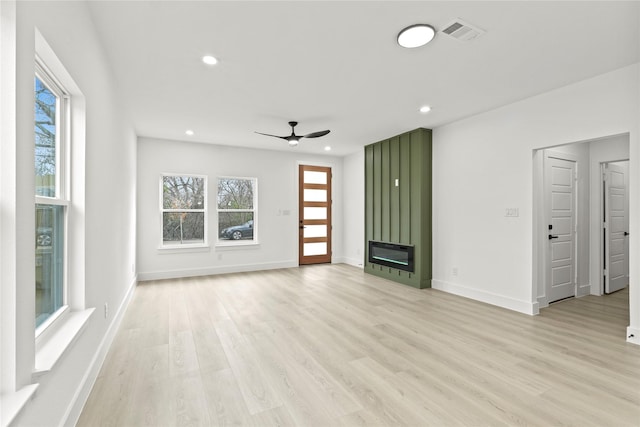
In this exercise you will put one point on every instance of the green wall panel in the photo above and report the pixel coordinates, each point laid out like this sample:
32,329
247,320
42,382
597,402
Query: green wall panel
394,192
384,189
368,195
377,190
400,214
405,190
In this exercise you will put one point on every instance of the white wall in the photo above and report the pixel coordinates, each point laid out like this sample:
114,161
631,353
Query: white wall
276,172
493,158
354,209
109,209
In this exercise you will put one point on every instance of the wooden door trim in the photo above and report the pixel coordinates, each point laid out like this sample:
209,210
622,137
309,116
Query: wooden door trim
314,259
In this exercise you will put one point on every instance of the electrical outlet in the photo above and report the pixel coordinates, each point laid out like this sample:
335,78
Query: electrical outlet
454,271
106,310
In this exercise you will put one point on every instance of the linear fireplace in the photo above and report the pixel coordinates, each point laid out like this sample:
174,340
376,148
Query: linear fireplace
391,255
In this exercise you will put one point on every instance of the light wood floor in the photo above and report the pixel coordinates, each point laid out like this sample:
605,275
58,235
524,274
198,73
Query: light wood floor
331,346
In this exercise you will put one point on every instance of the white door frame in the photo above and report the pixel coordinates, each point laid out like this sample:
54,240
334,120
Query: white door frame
601,234
543,231
594,284
537,287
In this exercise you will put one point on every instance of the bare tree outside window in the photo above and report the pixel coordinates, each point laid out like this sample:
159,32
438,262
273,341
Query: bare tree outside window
183,209
236,208
46,107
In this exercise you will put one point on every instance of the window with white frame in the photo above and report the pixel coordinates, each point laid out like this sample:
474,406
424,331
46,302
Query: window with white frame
184,210
51,194
237,199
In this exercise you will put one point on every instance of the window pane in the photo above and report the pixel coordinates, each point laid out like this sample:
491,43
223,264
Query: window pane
234,193
315,213
182,192
46,103
182,228
315,231
49,260
235,225
319,248
311,195
313,177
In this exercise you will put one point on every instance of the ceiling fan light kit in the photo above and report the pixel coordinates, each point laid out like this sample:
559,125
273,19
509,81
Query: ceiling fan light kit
294,139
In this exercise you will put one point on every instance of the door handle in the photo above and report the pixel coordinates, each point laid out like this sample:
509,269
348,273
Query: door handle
626,233
552,237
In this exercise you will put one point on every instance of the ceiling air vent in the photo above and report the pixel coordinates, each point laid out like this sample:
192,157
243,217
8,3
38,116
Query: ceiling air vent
462,31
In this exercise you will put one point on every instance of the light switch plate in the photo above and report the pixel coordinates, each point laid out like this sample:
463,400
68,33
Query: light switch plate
512,212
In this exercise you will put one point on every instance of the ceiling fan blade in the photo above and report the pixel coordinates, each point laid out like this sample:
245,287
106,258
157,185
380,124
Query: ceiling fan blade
275,136
316,134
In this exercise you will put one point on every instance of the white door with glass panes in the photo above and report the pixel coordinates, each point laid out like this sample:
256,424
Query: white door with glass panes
314,214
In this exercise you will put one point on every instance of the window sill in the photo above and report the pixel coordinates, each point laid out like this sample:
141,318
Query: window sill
12,403
180,249
236,244
52,350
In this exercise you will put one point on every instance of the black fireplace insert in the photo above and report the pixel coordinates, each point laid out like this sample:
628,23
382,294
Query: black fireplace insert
391,255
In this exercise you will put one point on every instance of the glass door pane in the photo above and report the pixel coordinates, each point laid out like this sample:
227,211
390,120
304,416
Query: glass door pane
314,177
312,195
318,248
315,213
315,231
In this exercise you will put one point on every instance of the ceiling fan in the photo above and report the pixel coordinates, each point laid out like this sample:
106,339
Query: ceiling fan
294,139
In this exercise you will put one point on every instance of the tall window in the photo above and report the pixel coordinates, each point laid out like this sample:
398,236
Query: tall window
51,195
237,208
183,206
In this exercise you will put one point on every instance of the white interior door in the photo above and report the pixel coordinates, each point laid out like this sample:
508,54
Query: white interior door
560,179
616,226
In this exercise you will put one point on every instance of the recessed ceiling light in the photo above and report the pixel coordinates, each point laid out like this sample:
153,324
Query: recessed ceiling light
425,109
189,132
209,60
416,35
327,148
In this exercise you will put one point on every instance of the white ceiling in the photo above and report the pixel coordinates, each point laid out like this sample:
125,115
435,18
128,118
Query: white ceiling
336,65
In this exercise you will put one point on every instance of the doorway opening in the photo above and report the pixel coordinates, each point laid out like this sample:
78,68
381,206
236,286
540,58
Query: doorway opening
572,247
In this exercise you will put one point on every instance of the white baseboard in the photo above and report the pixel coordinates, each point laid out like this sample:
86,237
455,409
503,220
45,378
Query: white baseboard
526,307
208,271
350,261
633,335
82,393
543,302
583,290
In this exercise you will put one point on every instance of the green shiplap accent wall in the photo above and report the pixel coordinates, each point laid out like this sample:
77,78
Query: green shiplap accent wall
400,214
